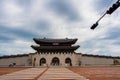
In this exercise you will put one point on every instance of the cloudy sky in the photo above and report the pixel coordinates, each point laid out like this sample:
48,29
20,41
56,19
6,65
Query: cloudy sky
23,20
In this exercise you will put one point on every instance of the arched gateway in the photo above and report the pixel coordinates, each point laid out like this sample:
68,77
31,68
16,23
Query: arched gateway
55,61
68,61
42,61
55,52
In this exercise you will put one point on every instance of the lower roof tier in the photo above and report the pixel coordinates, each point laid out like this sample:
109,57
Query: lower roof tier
55,48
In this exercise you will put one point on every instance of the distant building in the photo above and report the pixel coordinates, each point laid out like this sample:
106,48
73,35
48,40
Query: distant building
56,52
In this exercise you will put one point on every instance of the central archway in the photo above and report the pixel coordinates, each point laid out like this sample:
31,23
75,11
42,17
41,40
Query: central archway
55,61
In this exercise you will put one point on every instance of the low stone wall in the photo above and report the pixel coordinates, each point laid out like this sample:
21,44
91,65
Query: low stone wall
15,61
97,61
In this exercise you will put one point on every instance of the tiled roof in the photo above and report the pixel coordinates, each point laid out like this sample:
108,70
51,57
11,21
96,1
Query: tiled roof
12,56
55,47
47,40
100,56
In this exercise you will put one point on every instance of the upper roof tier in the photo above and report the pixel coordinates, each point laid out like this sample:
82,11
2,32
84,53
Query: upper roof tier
47,41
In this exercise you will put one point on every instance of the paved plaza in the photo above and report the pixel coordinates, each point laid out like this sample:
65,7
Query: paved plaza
55,73
27,74
99,72
60,74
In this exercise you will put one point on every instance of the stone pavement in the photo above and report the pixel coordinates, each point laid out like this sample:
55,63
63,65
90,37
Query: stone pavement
60,74
54,73
27,74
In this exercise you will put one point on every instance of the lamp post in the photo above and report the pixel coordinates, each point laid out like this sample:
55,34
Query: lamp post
110,11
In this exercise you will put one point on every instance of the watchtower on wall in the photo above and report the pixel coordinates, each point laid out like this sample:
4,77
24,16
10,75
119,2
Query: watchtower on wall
55,52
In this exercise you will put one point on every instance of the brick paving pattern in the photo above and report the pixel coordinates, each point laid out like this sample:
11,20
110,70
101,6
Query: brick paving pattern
55,73
27,74
98,73
77,73
60,74
9,70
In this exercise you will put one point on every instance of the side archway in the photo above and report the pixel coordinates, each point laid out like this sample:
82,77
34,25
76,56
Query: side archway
34,61
68,61
42,61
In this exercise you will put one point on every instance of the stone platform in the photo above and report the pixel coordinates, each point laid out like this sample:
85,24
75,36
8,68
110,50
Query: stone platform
55,73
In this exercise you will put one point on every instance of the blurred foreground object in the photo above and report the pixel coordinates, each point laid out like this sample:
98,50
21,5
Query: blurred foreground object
110,11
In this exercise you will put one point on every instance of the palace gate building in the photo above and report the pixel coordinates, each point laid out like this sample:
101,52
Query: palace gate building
56,52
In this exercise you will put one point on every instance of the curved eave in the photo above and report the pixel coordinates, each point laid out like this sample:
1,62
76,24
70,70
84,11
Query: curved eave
45,41
35,47
38,48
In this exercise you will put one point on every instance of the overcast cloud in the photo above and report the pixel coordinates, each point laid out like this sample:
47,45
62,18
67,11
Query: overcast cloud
23,20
